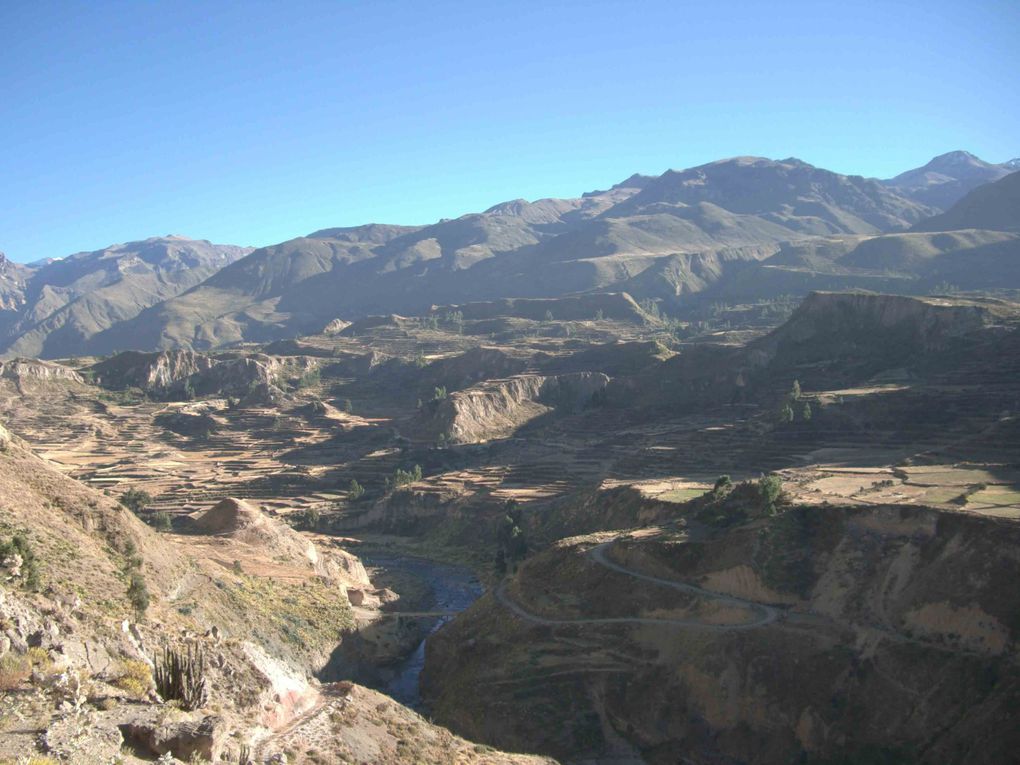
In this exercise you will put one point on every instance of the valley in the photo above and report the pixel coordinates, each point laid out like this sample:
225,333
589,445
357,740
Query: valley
402,450
720,466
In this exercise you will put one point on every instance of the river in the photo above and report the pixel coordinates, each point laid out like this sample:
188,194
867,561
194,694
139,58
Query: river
450,588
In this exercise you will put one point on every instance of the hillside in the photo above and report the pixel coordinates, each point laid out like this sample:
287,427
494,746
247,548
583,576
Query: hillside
655,237
52,310
995,206
946,179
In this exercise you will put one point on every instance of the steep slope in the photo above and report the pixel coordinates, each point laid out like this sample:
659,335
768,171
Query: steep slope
995,206
826,634
656,237
946,179
68,301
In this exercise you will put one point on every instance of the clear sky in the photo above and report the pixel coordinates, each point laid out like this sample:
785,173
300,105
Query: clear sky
254,122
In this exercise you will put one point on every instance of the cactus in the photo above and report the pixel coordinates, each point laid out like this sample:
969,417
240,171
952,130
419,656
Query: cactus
180,677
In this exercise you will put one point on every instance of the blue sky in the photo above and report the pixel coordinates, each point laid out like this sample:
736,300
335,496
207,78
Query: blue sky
254,122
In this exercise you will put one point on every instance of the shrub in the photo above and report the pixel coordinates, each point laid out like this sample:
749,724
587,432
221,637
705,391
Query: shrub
135,500
347,406
439,393
135,678
310,519
161,521
19,545
180,676
138,594
15,668
310,378
722,484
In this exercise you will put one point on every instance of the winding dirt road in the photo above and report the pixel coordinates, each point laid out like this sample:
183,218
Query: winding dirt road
764,614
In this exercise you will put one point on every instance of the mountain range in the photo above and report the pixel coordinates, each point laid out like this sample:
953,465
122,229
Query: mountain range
741,227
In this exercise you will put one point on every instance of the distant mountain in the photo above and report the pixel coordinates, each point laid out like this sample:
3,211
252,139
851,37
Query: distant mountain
13,277
947,178
995,206
656,236
52,310
789,193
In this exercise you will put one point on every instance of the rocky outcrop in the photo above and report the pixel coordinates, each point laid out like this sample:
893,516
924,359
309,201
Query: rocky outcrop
185,373
496,408
34,370
470,367
151,372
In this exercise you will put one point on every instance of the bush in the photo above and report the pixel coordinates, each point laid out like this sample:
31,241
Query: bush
135,678
135,500
309,379
310,519
161,521
15,668
347,406
18,545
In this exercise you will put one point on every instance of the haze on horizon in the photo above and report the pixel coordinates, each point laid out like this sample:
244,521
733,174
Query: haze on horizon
251,124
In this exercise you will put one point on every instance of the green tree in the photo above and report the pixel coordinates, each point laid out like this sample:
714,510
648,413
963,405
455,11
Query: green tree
806,412
138,594
135,500
770,489
785,414
722,485
548,315
355,491
795,390
347,406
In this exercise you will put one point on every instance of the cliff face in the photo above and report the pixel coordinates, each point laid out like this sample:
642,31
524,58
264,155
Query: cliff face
150,371
888,632
497,408
923,322
833,339
169,373
22,370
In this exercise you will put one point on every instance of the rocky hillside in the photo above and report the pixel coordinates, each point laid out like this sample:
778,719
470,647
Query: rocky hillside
816,633
55,309
497,408
91,598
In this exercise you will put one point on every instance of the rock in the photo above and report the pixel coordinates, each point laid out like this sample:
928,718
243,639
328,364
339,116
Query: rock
186,740
78,738
355,596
